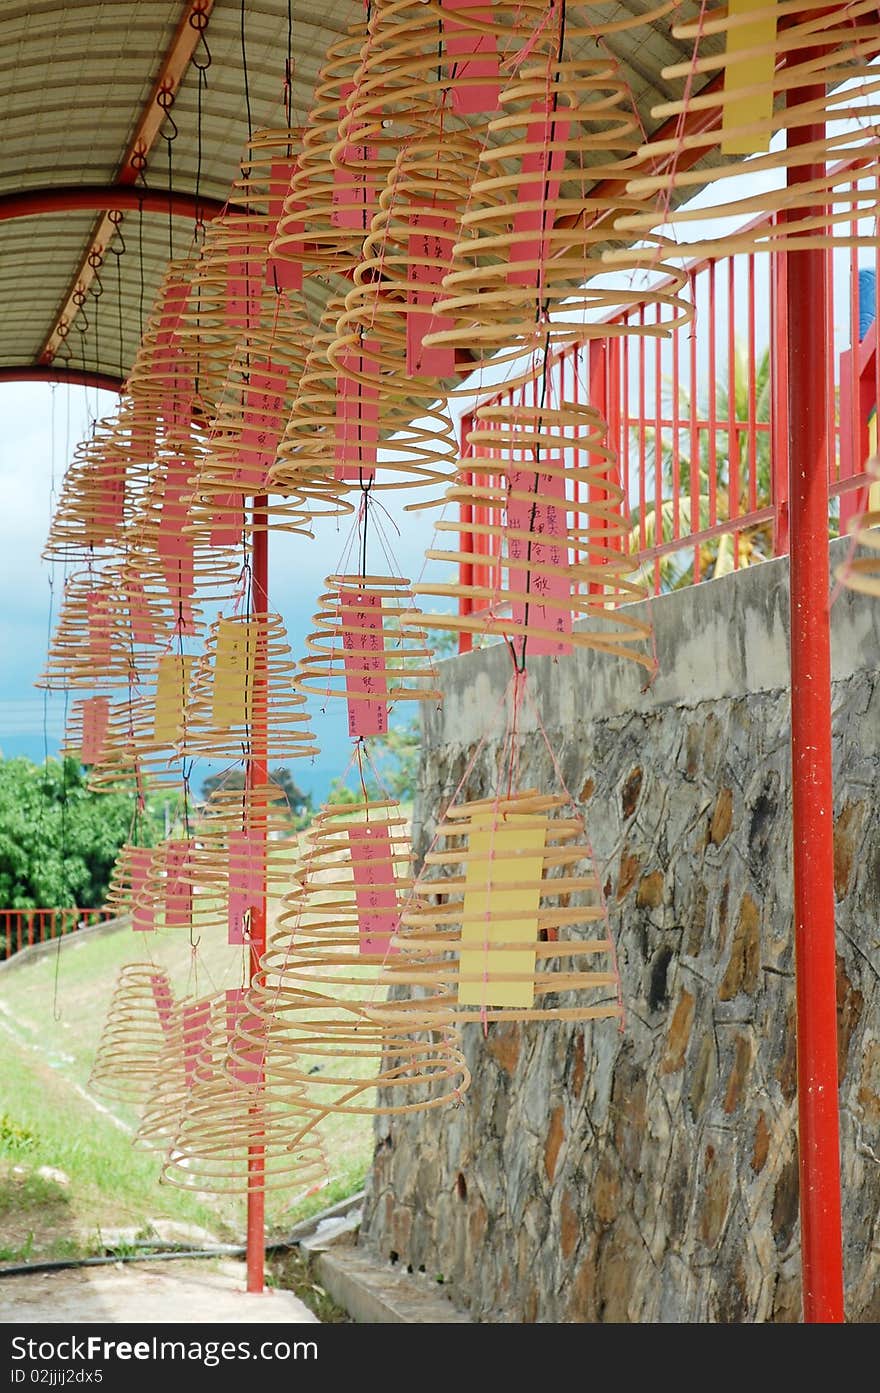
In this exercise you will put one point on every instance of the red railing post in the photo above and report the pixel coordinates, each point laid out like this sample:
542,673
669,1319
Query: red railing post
779,437
808,338
257,777
466,537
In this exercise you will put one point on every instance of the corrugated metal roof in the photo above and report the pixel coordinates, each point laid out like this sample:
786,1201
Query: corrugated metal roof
74,80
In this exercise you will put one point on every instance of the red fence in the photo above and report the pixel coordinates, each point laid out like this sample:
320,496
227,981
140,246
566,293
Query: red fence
21,928
699,419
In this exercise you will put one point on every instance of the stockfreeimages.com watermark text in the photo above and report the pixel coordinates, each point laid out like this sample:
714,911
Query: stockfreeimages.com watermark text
50,1361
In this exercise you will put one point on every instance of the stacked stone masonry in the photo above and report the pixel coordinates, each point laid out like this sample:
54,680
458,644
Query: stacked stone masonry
650,1174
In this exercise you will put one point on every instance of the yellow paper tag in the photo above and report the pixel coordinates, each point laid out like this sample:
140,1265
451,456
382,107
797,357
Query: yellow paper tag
233,689
172,686
756,73
484,894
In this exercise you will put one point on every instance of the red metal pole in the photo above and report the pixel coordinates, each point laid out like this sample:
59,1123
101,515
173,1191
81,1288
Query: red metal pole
257,777
810,427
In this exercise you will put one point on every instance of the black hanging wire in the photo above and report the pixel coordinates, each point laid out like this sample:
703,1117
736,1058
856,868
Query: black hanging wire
96,290
288,72
201,61
166,101
544,305
244,66
118,248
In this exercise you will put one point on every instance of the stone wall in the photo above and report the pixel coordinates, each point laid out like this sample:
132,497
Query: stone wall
651,1173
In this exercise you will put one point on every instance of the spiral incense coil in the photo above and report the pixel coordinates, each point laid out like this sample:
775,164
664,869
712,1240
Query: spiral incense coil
85,732
228,1112
133,1036
542,505
359,651
406,254
767,57
167,894
100,489
243,694
510,937
143,731
532,235
243,848
175,566
166,1100
251,419
315,998
341,165
127,881
93,643
350,426
168,376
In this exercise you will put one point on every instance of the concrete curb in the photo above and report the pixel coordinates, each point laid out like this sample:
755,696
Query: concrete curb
377,1293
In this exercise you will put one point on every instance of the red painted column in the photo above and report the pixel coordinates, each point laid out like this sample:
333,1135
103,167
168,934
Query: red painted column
810,427
257,776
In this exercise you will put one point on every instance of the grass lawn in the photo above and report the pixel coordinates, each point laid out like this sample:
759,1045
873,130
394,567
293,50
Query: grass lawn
52,1009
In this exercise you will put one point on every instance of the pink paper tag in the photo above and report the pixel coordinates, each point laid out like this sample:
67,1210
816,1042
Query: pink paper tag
163,998
265,416
355,188
478,78
196,1029
111,507
357,421
140,859
240,1021
363,643
246,882
95,716
243,290
284,274
374,881
173,305
98,616
178,892
545,519
429,248
227,523
547,165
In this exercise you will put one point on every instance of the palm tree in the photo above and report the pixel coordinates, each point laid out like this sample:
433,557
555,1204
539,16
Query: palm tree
716,554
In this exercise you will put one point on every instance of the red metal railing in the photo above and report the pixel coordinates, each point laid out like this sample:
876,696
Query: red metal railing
21,928
699,419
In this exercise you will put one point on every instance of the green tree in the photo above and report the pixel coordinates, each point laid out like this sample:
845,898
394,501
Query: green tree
58,840
717,554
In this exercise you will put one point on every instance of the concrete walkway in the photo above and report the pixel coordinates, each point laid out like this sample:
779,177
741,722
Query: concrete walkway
147,1294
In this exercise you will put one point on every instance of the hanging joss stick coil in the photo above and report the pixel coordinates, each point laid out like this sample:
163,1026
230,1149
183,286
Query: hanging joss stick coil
314,1002
334,189
242,847
499,912
243,693
93,644
359,651
525,270
143,731
167,896
349,428
173,565
167,377
127,880
251,419
133,1035
767,58
229,1112
407,251
102,485
540,502
453,58
166,1103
